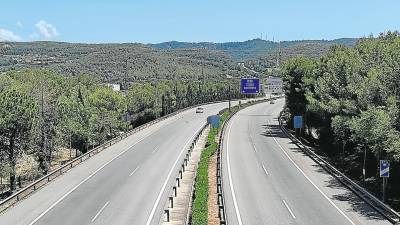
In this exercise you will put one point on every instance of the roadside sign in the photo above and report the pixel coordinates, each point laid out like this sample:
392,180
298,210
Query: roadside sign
384,168
250,86
126,117
214,120
298,122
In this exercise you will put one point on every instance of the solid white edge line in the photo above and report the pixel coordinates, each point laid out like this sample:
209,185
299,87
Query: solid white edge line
150,218
265,170
87,178
290,211
134,171
154,151
254,147
316,187
98,213
230,178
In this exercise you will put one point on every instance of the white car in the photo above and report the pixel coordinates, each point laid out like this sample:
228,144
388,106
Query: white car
199,110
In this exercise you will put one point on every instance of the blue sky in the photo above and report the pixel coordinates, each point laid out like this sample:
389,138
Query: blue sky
153,21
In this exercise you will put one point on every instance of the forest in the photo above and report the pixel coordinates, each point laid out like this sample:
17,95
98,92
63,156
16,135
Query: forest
48,118
350,101
118,63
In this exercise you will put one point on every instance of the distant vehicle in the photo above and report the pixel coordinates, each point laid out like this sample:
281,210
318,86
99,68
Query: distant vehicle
199,110
272,102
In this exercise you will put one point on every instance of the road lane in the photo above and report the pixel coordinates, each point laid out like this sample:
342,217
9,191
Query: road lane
77,196
274,183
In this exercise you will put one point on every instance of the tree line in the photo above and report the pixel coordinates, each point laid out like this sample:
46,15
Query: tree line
349,99
44,114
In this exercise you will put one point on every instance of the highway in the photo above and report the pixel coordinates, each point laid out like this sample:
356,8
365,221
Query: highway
127,183
268,180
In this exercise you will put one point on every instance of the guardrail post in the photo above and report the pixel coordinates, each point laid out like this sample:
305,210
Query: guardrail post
220,211
166,212
174,189
178,182
180,174
171,202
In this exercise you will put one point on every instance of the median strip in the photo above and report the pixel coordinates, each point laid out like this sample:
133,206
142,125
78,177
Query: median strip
208,204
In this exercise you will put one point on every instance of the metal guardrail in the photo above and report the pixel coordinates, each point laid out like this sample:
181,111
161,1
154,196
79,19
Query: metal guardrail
185,161
220,192
26,191
374,202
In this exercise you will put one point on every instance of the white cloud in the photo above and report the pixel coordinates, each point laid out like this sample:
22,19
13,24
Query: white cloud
46,29
19,24
6,35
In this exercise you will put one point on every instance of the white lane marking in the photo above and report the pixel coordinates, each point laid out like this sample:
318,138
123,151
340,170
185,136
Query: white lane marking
166,181
98,213
265,170
87,178
254,147
154,151
316,187
239,219
134,171
290,211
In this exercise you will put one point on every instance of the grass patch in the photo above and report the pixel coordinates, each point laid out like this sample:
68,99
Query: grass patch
200,204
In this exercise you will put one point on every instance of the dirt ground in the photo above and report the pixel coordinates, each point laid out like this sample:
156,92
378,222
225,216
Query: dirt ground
213,218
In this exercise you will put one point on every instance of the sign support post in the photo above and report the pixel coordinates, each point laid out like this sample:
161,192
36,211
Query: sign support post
298,123
384,181
384,167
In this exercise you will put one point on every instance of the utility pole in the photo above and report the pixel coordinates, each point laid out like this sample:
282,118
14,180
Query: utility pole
126,94
229,96
365,159
278,54
42,128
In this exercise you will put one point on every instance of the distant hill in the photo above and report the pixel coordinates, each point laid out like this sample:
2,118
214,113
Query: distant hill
168,60
112,62
255,48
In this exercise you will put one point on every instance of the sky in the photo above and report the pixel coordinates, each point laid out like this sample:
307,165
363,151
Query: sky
155,21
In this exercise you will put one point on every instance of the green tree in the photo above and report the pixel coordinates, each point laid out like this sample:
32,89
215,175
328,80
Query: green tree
17,116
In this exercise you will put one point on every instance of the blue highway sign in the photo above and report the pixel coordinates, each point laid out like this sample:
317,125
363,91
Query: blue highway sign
298,122
250,86
214,120
384,168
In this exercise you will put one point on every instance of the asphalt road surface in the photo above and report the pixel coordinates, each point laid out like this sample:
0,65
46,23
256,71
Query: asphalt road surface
268,180
127,183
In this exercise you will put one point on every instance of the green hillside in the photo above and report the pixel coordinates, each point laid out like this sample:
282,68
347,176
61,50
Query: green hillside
114,62
255,48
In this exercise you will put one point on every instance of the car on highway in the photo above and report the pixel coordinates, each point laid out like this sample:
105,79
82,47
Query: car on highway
199,110
272,102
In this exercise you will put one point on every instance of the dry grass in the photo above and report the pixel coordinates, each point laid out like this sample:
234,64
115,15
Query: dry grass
213,218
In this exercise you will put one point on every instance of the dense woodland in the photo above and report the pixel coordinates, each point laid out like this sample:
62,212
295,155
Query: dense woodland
118,63
350,99
46,117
